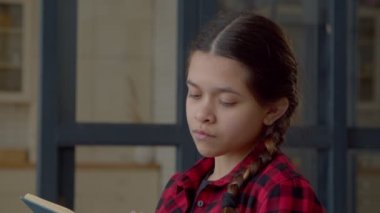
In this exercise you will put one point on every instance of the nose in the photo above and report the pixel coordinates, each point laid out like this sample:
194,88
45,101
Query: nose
205,114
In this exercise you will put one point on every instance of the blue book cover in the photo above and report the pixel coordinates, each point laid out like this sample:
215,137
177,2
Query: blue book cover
39,205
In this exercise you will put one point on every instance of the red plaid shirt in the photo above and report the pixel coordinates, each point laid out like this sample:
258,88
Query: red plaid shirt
278,188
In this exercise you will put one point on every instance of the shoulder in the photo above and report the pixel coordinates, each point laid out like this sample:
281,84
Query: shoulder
278,171
280,187
173,181
293,195
168,192
171,186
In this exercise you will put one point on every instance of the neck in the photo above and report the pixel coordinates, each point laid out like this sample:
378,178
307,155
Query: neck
224,164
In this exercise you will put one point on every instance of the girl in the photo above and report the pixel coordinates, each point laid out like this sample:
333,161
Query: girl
242,92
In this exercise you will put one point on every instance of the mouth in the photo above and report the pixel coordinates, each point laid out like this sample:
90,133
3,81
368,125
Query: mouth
202,135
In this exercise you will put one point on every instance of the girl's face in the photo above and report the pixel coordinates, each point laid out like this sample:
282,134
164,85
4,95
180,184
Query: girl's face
223,116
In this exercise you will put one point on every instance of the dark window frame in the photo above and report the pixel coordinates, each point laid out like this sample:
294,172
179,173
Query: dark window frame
332,137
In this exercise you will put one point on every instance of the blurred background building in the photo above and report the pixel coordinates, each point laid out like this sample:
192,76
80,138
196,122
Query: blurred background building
96,87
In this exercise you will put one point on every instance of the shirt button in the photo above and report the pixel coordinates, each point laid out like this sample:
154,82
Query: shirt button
200,203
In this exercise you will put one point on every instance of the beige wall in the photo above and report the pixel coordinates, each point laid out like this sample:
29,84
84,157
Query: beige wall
127,72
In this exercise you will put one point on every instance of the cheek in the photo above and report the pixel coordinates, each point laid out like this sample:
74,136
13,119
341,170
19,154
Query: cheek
189,111
247,124
237,125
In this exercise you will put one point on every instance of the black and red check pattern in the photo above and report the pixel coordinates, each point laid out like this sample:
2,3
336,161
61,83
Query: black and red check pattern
278,188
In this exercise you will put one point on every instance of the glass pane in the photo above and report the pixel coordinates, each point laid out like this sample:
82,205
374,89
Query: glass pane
237,5
127,178
305,161
17,120
368,65
10,47
127,61
16,180
367,181
299,20
15,130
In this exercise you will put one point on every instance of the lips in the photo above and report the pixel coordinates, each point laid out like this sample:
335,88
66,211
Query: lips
202,135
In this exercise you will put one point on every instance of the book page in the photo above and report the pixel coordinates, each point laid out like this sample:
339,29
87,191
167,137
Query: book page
45,204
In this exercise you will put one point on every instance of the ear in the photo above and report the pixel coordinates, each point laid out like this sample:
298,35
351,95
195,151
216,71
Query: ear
275,111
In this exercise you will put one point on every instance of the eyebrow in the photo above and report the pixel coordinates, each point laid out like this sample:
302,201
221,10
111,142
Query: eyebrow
219,89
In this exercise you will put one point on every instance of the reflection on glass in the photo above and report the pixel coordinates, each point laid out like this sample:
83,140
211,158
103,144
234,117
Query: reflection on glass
126,177
368,73
366,61
367,181
237,5
10,47
126,66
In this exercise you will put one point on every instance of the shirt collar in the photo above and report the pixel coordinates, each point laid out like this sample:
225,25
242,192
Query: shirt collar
192,177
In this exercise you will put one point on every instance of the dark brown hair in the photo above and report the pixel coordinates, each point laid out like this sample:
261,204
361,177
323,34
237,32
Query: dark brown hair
260,45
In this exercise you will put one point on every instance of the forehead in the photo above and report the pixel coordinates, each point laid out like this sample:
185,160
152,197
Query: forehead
209,68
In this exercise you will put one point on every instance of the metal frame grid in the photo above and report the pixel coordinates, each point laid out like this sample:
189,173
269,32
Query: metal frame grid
60,133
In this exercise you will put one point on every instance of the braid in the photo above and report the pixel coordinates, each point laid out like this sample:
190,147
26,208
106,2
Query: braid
274,136
241,178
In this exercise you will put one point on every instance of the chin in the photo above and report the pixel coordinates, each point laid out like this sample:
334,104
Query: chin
207,153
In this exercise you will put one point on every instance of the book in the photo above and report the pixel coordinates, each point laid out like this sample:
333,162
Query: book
40,205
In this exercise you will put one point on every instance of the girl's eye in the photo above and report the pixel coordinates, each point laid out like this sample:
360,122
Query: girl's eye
227,103
194,96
